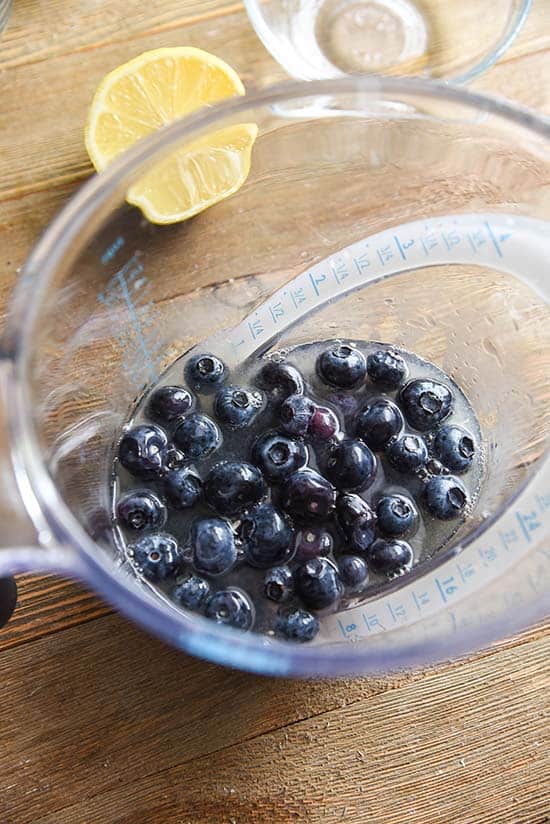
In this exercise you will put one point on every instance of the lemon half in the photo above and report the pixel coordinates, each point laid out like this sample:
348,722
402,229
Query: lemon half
147,93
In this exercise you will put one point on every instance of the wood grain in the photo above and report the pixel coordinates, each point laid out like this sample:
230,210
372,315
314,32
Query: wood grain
120,728
46,605
99,722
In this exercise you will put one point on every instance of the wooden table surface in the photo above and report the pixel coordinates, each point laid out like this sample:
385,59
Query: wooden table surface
101,723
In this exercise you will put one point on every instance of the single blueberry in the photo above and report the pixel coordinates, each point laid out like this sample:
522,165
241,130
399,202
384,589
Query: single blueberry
308,496
295,415
232,608
378,423
204,373
213,543
266,536
342,365
157,556
354,572
318,583
173,458
141,510
454,447
363,534
281,379
232,487
407,453
390,558
445,497
278,456
169,402
351,465
346,403
279,584
197,436
397,516
299,625
183,487
312,542
324,425
426,403
387,368
141,451
351,510
237,408
434,467
192,593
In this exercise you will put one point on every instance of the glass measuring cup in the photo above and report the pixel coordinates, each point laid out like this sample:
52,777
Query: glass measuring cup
312,39
383,209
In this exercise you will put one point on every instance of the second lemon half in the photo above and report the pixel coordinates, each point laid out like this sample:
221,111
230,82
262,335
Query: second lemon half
147,93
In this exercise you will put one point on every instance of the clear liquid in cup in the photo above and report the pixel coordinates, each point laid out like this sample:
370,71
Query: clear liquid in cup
431,536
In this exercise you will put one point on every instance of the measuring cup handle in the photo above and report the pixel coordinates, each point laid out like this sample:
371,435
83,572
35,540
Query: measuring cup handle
23,546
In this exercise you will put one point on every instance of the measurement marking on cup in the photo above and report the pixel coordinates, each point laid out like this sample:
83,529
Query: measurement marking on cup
493,238
130,288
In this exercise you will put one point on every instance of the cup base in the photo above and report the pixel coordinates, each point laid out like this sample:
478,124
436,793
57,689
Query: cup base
359,36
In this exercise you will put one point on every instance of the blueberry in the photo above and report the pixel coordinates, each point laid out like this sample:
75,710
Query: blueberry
213,543
232,608
192,593
141,510
183,487
169,402
157,556
308,496
197,436
454,447
279,584
299,625
445,497
342,365
281,379
387,368
357,521
312,542
390,558
378,423
350,510
351,465
266,536
397,516
141,451
295,415
324,424
205,372
278,456
317,583
407,453
236,407
362,535
354,572
426,403
346,403
434,467
173,458
232,487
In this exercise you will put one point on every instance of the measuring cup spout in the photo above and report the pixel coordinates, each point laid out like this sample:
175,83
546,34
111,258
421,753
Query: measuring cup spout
25,545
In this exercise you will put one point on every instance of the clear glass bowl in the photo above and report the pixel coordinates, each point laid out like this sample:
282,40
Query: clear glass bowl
314,39
399,210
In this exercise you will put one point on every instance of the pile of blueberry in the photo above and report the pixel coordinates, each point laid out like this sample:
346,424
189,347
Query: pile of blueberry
308,509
